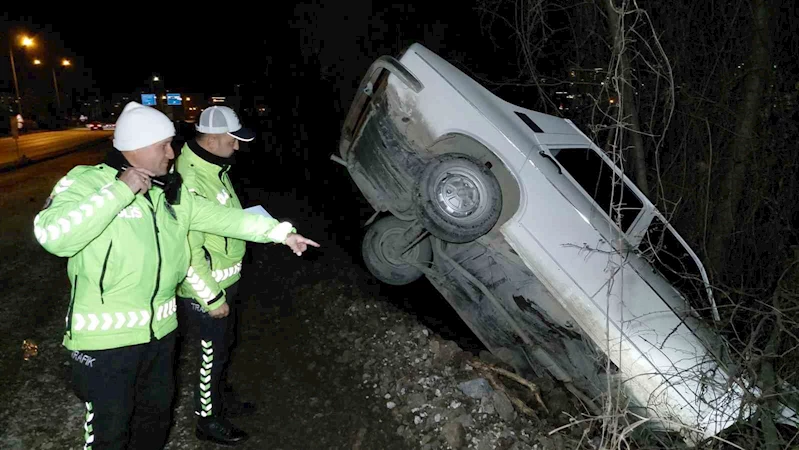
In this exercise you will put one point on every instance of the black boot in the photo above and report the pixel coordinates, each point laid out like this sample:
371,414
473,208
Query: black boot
233,407
219,431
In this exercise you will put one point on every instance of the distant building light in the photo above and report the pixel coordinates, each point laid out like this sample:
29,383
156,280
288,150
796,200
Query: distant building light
561,92
217,99
570,96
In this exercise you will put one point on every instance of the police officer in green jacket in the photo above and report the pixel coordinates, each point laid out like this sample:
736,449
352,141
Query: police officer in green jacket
123,224
206,299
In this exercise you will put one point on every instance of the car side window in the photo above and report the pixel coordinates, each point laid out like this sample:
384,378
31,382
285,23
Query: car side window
599,181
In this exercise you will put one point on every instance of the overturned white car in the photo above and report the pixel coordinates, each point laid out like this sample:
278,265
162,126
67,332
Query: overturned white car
552,256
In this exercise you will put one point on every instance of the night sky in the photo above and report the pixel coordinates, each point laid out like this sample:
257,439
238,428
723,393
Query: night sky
210,51
187,48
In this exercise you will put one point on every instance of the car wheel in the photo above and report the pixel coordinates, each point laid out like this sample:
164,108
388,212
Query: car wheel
458,199
393,270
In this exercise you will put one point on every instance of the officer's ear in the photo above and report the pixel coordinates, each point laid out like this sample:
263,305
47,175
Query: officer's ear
213,140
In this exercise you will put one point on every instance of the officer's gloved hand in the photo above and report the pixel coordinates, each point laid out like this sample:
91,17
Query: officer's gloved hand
220,312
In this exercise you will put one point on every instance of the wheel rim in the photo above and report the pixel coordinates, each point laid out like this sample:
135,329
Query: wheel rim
385,242
460,193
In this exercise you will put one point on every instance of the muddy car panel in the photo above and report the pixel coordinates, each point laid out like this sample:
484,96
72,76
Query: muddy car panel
563,282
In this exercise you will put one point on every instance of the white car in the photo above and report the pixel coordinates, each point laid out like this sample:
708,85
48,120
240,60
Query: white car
555,260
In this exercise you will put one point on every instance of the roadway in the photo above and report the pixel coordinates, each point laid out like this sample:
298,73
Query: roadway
46,144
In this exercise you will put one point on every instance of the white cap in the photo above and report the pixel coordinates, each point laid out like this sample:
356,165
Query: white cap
139,126
221,119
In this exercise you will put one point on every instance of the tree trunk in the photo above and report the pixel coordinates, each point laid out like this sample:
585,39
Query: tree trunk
629,112
744,145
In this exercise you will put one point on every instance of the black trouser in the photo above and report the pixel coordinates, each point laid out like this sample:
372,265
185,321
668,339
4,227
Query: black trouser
128,393
215,338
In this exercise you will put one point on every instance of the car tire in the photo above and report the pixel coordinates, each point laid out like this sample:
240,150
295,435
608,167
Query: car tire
390,270
457,198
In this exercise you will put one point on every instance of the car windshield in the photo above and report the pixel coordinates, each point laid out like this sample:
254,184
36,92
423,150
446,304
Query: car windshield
667,253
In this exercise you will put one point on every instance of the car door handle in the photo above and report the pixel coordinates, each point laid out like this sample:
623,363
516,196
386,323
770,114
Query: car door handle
546,155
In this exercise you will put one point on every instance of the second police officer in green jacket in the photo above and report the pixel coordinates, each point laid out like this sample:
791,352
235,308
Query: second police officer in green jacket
207,297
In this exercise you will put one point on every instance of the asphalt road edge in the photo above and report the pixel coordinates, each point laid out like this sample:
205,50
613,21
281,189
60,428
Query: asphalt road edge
24,161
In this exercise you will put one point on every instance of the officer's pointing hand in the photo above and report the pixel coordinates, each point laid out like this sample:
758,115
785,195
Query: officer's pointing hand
299,243
137,179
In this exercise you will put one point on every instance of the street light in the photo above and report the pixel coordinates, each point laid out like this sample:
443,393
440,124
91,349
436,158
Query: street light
64,62
25,41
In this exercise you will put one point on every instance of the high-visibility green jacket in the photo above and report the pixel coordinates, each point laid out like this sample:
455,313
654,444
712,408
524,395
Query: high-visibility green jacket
216,260
127,254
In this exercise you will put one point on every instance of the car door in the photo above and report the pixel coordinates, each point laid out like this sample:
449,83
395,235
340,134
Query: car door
592,215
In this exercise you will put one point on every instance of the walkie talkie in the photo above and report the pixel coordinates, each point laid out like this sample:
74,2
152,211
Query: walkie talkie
154,180
170,183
